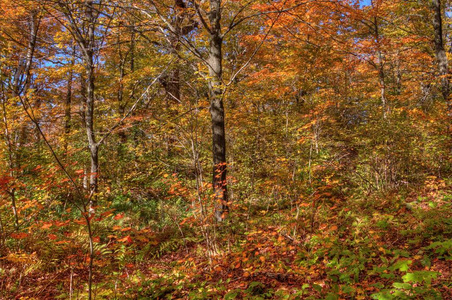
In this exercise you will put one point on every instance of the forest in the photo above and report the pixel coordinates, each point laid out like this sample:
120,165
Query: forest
225,149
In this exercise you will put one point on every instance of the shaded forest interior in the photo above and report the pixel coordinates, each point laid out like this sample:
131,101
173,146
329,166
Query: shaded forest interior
241,149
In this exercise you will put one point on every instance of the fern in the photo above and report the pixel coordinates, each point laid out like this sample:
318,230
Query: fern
172,246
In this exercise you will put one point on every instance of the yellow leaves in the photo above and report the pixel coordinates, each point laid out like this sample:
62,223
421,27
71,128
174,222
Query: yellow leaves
62,39
20,257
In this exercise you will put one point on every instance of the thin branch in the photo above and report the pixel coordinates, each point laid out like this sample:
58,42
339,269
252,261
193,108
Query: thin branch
133,107
31,116
198,12
244,66
238,13
279,12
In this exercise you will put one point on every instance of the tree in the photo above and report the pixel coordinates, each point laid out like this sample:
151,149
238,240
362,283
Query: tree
15,88
440,52
216,92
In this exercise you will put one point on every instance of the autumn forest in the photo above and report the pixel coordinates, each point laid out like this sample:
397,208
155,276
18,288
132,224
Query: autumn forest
225,149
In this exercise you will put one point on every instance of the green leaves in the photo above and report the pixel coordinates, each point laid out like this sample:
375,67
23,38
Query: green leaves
443,248
420,277
414,283
401,265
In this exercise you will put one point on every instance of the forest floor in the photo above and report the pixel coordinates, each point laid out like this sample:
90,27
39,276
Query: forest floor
389,247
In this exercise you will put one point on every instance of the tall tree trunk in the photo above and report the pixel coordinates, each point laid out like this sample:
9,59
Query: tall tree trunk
11,165
121,104
172,80
31,49
89,104
381,70
440,52
179,26
132,49
67,103
217,111
21,85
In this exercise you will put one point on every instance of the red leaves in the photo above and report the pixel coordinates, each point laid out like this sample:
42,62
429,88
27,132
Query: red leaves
46,225
4,182
61,223
80,221
19,236
119,216
107,213
62,242
126,239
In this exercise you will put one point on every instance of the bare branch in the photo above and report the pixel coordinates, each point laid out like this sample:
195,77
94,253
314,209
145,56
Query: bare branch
200,16
279,12
133,107
244,66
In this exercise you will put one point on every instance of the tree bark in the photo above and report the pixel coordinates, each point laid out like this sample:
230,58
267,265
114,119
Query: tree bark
11,165
20,86
381,69
121,104
440,52
67,104
217,111
89,104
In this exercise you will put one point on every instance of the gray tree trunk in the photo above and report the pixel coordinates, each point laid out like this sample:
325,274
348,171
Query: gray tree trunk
380,67
440,52
217,111
68,103
90,98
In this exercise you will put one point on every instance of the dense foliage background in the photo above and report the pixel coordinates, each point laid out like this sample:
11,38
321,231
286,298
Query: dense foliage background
120,118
